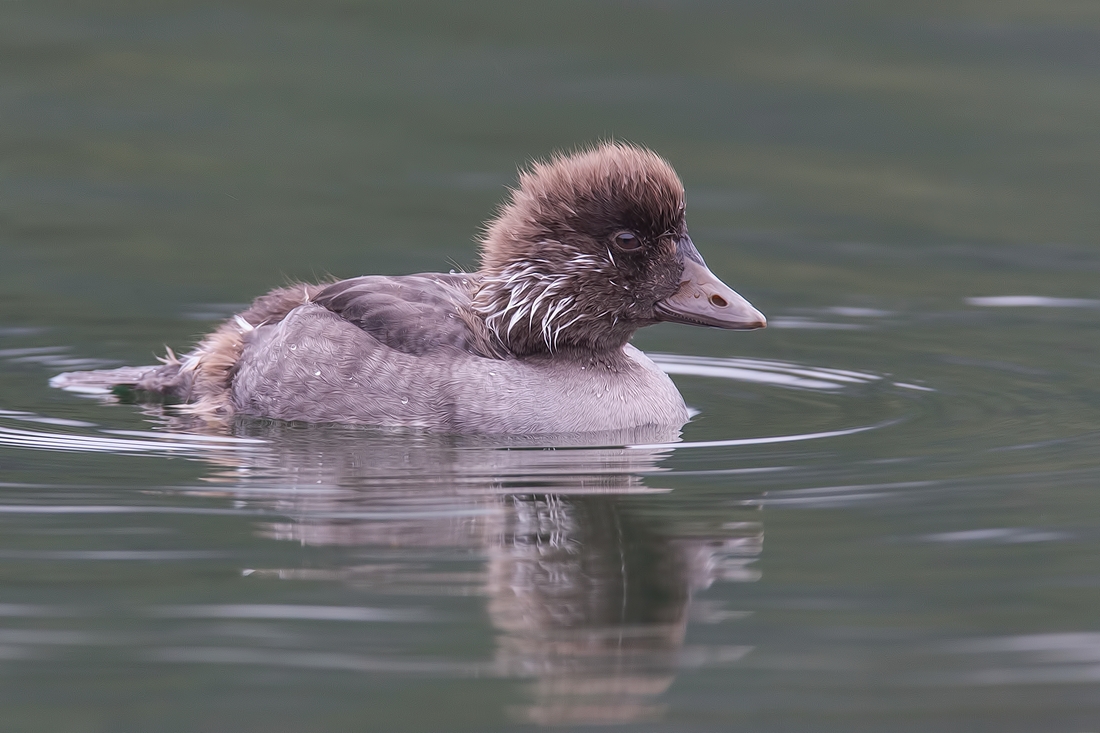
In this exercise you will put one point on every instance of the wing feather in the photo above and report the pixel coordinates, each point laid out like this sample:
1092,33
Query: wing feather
414,314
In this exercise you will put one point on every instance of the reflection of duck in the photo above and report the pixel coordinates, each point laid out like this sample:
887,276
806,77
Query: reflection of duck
589,599
587,250
593,603
352,486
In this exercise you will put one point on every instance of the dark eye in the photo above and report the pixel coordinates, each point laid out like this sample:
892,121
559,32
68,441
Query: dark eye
627,241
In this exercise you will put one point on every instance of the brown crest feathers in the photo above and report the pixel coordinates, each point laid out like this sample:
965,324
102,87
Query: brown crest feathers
566,192
550,281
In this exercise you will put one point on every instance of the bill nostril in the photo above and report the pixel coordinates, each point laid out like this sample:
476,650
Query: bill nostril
718,301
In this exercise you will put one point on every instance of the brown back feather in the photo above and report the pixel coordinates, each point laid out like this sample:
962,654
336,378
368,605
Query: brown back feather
214,359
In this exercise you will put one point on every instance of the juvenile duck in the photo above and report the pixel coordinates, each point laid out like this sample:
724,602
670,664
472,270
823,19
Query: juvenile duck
588,249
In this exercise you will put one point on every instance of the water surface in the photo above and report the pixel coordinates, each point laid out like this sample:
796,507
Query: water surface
882,518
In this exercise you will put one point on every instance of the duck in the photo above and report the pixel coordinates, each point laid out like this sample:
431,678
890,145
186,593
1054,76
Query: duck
589,247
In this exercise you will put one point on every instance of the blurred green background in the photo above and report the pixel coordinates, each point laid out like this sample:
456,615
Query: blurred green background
859,170
159,152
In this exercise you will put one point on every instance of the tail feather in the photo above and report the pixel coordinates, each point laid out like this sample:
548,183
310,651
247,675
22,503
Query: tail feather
203,377
103,381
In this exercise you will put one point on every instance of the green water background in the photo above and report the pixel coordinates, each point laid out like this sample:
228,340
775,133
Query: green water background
862,172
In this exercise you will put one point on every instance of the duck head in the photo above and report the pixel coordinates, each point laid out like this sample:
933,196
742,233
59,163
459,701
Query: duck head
591,247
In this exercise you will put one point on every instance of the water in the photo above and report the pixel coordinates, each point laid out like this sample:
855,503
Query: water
883,516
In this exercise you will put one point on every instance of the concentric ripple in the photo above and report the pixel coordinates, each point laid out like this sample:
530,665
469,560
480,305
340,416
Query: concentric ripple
102,441
762,372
